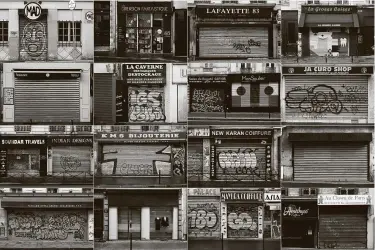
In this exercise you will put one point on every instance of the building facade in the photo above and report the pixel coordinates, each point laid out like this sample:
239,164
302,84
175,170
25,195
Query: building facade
46,31
140,93
155,30
143,214
324,218
34,215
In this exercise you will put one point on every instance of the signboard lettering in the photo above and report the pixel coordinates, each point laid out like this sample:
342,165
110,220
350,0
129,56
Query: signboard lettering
330,70
22,142
145,73
344,200
204,192
242,196
207,79
293,211
238,12
148,7
256,133
32,11
160,135
71,141
329,9
269,197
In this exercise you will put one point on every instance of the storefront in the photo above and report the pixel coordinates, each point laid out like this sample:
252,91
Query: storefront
328,94
40,156
144,28
272,215
222,32
38,218
232,155
300,223
37,93
366,36
329,30
217,96
161,155
343,221
29,33
142,215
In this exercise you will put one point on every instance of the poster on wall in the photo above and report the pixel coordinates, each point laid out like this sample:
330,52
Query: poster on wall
8,95
153,74
3,162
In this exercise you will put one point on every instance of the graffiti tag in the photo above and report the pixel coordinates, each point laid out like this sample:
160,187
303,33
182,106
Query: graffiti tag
70,163
178,155
146,106
242,221
207,100
203,219
237,159
246,48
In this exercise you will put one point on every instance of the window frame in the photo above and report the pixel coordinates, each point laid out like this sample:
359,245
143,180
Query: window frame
71,34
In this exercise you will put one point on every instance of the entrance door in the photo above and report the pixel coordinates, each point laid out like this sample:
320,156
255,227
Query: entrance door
129,223
135,223
98,219
309,234
299,233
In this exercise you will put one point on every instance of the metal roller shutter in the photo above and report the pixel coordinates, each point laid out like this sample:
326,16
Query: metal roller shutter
71,160
195,159
104,98
330,162
204,217
346,229
343,98
47,100
241,42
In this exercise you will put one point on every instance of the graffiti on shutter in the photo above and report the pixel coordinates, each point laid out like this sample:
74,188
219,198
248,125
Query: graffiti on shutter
243,221
204,218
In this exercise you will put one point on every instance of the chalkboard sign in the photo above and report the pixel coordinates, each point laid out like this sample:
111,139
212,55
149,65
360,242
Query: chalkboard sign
206,99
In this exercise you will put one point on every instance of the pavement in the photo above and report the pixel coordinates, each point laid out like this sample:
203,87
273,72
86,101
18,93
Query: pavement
49,245
237,244
293,248
142,245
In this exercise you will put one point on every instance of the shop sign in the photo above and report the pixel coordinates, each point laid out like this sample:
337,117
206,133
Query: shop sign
212,162
141,136
344,200
204,192
254,78
234,12
8,96
32,11
328,70
23,141
46,76
46,204
242,196
298,210
70,141
207,79
137,73
198,132
3,162
272,197
321,9
145,7
243,133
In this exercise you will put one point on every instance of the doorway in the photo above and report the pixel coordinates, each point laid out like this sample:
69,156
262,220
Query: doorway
129,223
299,233
98,219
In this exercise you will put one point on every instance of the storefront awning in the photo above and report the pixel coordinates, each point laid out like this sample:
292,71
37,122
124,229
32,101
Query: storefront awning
334,137
47,202
331,20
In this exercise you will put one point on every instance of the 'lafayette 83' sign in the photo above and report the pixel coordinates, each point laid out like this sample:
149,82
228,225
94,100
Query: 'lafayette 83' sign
238,12
328,70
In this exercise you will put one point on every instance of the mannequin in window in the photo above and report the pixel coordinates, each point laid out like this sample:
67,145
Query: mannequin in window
165,222
157,223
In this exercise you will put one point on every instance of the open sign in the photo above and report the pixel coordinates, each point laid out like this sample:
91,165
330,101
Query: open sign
32,11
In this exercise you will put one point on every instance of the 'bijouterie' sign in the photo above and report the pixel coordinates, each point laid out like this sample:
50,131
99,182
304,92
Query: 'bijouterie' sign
144,73
328,70
141,136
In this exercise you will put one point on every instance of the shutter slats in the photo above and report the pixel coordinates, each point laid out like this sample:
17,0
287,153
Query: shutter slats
71,160
103,100
342,98
319,162
47,101
233,42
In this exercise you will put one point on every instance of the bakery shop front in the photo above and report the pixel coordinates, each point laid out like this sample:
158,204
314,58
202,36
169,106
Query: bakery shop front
238,32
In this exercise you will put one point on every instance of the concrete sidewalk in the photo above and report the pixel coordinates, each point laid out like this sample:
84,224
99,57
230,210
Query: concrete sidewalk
293,248
46,245
142,245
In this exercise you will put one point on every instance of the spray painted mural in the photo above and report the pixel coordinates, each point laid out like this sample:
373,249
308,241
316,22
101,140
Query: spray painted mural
242,221
146,104
33,44
47,225
207,100
143,160
204,219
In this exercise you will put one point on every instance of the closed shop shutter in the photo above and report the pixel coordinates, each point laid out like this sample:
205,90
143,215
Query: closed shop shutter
137,160
33,47
161,221
242,220
146,104
195,159
129,221
317,98
234,42
204,217
71,160
47,100
343,227
104,98
330,162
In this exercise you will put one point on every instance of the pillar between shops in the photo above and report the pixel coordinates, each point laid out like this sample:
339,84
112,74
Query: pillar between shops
90,225
175,224
145,223
113,223
14,37
49,160
3,222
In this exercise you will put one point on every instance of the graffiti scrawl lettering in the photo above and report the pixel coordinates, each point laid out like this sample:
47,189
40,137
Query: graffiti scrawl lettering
178,155
203,219
236,159
246,48
70,163
146,105
207,100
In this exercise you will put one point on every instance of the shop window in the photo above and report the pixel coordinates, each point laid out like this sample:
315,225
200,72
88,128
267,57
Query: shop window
57,128
52,190
309,191
3,32
82,128
284,192
230,1
161,223
23,161
102,23
313,2
16,190
69,32
258,1
342,1
347,191
272,225
22,128
291,33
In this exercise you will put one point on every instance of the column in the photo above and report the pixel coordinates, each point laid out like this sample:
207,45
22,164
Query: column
90,225
145,223
175,224
4,222
113,223
52,34
49,160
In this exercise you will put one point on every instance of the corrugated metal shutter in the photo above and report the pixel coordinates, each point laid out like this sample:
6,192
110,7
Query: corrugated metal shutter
241,42
317,98
137,160
125,215
33,39
195,159
71,160
330,162
47,101
346,229
104,98
204,217
146,104
242,220
241,161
